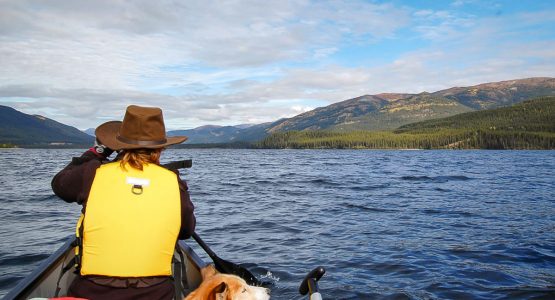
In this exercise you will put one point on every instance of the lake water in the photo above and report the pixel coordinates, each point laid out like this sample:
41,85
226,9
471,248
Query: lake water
384,224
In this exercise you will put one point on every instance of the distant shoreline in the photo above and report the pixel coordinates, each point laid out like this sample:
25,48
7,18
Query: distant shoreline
205,146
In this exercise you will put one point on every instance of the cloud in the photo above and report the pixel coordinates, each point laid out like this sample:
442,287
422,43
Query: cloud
461,2
232,62
66,54
440,25
324,52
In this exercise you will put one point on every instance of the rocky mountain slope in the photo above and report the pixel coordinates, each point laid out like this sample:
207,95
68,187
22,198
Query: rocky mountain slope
389,111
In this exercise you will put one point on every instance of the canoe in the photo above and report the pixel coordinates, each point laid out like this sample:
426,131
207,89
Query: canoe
45,280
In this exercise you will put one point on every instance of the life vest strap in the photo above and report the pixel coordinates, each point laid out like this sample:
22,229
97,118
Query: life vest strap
78,243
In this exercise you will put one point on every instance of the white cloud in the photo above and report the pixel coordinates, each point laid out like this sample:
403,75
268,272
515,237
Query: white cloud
103,55
423,13
232,62
324,52
442,25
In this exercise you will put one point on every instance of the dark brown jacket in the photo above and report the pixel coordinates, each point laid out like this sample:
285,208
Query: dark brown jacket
73,184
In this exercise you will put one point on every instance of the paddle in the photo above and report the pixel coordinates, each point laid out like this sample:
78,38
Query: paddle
227,267
221,265
310,283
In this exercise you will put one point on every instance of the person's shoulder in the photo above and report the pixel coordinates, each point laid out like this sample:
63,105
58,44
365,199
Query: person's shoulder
108,164
166,170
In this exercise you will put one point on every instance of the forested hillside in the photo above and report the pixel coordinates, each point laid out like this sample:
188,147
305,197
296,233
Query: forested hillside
527,125
535,115
19,129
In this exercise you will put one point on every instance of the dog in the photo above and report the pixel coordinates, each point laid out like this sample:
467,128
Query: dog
217,286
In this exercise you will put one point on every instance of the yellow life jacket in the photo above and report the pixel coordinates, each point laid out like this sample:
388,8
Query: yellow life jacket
131,222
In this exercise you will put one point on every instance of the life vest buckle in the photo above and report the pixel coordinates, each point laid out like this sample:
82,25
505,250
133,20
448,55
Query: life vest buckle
137,189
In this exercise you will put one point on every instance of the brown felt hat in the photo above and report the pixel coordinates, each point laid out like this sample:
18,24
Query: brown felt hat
142,127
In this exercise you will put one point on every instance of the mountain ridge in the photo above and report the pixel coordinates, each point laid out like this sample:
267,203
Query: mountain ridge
384,111
392,110
388,111
524,125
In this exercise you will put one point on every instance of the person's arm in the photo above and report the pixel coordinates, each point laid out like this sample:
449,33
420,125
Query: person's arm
73,183
188,220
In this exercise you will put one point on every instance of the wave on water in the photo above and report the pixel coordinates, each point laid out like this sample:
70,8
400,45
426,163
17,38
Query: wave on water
258,224
269,275
384,224
48,198
369,187
289,174
449,212
323,182
264,182
436,179
27,258
367,208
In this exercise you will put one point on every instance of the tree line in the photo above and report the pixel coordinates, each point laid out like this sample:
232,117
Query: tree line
527,125
444,139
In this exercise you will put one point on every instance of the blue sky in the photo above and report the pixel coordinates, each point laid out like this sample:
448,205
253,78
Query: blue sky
235,62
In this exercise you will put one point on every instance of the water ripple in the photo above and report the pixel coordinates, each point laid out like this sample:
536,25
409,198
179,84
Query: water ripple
384,224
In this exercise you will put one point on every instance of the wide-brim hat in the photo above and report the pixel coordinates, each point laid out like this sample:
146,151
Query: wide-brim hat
142,127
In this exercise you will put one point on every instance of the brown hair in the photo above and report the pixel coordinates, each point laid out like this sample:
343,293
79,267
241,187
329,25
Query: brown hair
136,158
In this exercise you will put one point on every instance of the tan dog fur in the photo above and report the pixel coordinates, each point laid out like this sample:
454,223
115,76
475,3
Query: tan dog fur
217,286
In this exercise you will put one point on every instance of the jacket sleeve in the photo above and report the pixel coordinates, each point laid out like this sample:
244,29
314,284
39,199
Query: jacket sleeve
188,220
73,183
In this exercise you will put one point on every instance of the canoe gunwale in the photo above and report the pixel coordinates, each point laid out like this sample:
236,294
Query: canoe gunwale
49,265
191,254
186,272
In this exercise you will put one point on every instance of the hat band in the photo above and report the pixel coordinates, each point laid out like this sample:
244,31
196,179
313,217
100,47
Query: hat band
140,142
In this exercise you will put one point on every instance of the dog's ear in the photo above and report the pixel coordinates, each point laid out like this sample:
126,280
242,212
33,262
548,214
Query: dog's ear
219,292
208,271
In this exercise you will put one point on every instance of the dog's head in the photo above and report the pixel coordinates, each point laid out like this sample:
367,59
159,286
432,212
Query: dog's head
217,286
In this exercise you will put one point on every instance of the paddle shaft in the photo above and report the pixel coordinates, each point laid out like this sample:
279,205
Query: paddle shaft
221,265
227,267
205,247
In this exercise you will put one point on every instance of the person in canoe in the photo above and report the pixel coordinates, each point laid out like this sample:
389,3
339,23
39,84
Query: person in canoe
134,210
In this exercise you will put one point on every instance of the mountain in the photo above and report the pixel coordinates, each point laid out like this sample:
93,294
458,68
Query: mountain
403,111
244,126
90,131
17,128
525,125
339,113
210,134
386,111
535,115
389,111
498,94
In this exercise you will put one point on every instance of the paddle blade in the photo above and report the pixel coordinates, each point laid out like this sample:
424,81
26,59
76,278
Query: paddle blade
228,267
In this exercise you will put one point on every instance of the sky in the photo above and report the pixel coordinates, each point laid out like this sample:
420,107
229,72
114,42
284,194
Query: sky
222,62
